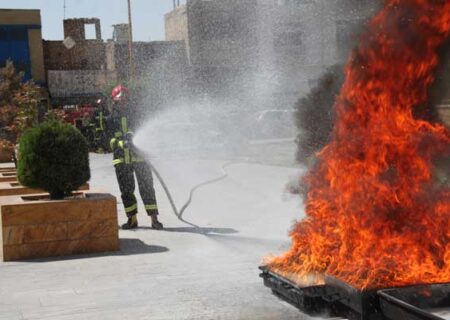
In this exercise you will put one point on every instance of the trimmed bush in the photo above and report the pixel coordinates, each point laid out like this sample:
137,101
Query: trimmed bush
54,157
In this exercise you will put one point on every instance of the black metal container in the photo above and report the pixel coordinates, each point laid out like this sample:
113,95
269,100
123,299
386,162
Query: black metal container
307,299
361,304
414,303
338,298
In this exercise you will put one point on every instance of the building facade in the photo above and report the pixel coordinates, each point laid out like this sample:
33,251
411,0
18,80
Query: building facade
80,70
273,49
76,66
21,42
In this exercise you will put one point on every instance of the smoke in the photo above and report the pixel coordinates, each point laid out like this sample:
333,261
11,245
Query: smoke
314,114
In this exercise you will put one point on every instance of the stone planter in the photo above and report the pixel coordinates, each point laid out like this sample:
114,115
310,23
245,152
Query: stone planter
8,176
33,226
15,188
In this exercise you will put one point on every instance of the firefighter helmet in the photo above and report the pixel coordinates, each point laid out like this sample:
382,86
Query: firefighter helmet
119,93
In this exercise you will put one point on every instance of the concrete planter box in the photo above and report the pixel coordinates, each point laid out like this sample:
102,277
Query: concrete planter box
34,227
8,176
15,188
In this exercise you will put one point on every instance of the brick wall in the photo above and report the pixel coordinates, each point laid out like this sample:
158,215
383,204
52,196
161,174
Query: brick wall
75,28
85,55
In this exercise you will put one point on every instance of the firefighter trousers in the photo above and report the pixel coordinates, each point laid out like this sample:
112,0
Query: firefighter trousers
125,177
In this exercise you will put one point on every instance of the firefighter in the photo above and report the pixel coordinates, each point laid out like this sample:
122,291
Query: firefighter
128,162
99,121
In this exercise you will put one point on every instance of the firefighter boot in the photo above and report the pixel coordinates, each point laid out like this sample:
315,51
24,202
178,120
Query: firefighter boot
131,223
155,222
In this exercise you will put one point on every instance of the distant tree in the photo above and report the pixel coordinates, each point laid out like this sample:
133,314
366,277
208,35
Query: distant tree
19,103
27,101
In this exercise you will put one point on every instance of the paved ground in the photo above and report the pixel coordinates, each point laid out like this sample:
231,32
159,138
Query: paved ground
183,272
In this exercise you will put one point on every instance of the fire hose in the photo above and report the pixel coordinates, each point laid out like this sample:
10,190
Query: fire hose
179,213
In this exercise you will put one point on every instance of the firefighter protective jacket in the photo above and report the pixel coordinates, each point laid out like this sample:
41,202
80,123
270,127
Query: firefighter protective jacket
121,127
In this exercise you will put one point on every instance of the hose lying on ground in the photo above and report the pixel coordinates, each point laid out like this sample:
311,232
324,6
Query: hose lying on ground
179,214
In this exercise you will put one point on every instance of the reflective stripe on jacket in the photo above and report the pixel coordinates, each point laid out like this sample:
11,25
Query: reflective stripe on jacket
101,122
122,153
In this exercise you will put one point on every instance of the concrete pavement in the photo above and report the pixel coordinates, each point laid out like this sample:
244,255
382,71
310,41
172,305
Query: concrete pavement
183,272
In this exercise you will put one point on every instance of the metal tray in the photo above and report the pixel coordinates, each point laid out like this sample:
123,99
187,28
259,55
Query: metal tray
415,302
338,298
307,299
359,304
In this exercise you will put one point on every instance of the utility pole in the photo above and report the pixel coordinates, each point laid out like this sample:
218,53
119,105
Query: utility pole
64,9
130,43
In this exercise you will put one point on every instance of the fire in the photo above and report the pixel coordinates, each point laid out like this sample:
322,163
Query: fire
375,214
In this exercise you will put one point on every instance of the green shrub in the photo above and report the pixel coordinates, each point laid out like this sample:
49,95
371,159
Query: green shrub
54,157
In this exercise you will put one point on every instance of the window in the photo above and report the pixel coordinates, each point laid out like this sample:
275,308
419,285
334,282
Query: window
89,31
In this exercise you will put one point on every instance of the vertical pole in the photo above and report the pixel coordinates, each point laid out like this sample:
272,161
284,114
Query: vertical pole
64,9
130,43
174,4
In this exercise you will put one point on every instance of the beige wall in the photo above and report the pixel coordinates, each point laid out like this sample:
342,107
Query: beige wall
36,54
176,24
13,16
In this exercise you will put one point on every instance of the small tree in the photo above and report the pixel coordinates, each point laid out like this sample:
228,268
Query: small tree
10,82
19,104
53,157
27,101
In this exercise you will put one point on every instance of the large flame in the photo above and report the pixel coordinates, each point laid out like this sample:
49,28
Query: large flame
376,216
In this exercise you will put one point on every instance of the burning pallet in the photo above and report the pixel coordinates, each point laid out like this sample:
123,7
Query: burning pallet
338,298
